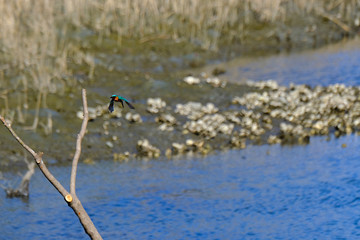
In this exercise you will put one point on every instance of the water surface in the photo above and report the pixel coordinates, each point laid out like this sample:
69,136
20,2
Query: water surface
261,192
337,63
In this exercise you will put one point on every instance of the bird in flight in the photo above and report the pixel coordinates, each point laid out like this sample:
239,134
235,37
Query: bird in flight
117,98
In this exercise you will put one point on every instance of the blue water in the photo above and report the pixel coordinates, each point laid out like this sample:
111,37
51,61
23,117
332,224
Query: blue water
338,63
261,192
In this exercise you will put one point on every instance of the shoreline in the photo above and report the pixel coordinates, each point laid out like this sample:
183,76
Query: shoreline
232,117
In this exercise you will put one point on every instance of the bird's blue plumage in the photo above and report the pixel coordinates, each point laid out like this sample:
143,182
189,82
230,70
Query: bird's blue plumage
117,98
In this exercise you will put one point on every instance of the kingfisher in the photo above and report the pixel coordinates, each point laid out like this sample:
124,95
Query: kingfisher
116,98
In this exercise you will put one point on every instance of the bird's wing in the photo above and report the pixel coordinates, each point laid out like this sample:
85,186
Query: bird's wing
122,103
111,106
129,104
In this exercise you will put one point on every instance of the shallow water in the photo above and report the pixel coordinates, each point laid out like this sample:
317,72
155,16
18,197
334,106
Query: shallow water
337,63
261,192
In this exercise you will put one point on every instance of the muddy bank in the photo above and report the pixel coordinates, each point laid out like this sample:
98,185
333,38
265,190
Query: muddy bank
154,69
165,55
191,115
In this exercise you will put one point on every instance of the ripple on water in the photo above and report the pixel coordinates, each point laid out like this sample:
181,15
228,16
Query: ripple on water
261,192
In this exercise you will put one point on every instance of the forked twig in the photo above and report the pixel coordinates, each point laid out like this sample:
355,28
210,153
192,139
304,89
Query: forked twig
71,199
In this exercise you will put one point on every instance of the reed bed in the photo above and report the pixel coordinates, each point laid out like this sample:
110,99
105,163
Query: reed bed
37,43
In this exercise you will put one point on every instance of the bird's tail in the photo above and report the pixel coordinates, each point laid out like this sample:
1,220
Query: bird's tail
129,104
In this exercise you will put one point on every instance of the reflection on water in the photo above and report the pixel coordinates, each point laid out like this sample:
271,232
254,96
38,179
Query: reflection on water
338,63
262,192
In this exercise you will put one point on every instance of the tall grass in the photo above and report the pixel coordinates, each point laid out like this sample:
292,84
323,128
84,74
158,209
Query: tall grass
36,42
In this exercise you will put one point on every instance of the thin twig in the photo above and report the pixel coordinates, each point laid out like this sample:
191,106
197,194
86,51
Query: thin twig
71,199
80,136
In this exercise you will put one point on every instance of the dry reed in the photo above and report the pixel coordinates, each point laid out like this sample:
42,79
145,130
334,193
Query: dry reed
36,40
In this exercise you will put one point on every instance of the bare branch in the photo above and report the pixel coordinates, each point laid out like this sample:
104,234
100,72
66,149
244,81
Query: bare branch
80,136
71,199
38,159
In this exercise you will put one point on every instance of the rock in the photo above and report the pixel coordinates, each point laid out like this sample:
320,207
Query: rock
209,108
178,148
121,156
232,117
92,113
195,145
272,139
133,117
106,125
146,149
207,126
191,80
115,114
166,127
226,128
167,119
311,111
195,110
109,144
238,142
155,105
96,112
215,82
